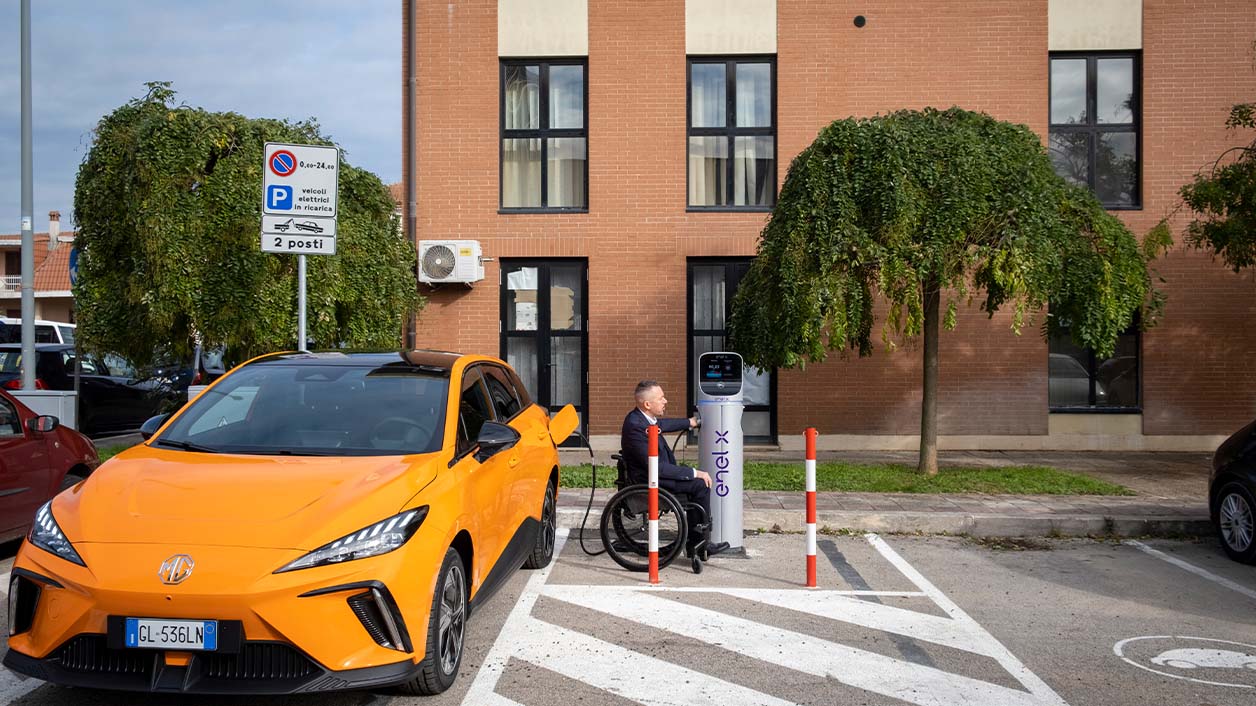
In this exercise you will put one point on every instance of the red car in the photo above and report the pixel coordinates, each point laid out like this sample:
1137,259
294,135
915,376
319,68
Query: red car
38,459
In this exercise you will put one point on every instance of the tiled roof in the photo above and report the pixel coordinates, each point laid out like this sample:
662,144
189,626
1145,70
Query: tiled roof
52,269
398,195
54,274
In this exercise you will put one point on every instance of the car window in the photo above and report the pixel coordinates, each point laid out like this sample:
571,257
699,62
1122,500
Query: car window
11,361
315,409
10,422
501,391
225,409
67,334
473,409
116,366
88,364
45,334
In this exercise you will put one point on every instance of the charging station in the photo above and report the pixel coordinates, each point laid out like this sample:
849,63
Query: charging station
720,441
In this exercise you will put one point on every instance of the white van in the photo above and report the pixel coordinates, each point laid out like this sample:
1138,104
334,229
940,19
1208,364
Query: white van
45,331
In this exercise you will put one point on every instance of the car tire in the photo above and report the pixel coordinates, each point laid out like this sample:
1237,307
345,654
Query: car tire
439,667
543,550
1236,522
69,481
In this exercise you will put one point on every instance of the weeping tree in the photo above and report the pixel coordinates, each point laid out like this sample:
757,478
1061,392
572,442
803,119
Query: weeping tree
924,210
1223,198
168,208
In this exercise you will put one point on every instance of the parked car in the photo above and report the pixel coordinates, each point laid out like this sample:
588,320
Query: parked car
311,522
39,457
113,397
1232,494
45,331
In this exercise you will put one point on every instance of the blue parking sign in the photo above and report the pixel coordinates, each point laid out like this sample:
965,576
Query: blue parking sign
279,197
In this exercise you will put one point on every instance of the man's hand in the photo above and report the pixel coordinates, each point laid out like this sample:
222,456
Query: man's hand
694,422
706,477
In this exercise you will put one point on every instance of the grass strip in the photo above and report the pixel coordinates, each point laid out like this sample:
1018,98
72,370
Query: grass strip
876,478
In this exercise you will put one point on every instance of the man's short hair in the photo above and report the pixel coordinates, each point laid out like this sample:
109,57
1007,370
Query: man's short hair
643,387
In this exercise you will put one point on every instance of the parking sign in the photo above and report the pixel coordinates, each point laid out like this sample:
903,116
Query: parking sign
299,185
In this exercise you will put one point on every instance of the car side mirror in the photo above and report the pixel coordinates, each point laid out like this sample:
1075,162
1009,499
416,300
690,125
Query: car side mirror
151,425
43,424
494,438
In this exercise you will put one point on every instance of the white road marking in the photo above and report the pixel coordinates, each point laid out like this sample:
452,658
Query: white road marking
483,689
1000,653
1203,573
877,616
1119,650
896,678
602,665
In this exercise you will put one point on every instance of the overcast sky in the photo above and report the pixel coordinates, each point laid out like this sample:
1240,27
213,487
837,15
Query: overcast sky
336,61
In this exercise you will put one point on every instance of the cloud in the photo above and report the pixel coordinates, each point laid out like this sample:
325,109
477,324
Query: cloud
337,62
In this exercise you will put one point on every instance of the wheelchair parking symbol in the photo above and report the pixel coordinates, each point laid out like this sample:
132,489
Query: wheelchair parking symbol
279,197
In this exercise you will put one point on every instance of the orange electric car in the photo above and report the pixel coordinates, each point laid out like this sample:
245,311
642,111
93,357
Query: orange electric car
311,522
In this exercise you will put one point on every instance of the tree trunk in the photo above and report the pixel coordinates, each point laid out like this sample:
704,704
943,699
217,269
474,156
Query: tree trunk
929,403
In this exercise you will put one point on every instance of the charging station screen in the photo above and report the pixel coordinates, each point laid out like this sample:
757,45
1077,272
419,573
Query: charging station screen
720,368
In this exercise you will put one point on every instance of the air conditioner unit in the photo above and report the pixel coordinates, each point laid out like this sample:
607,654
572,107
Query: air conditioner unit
442,261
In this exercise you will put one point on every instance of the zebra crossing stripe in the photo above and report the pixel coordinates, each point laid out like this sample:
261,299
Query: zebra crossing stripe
879,674
619,671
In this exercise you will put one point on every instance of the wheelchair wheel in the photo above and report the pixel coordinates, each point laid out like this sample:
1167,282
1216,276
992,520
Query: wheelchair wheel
626,529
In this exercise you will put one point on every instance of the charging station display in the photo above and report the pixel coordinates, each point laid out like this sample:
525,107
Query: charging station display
720,441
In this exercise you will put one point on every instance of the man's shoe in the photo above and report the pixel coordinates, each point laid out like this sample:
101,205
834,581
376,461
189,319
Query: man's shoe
715,548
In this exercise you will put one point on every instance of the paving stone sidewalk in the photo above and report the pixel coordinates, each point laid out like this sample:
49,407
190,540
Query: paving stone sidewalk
1171,499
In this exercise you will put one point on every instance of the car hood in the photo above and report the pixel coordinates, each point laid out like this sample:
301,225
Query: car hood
148,495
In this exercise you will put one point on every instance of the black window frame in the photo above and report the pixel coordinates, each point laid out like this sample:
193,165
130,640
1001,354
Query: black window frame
1092,370
461,446
730,130
542,134
498,374
1092,128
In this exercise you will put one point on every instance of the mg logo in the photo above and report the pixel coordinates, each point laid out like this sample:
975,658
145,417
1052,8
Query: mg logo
176,569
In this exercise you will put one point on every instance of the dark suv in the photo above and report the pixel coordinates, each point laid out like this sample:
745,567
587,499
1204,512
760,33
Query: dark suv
113,397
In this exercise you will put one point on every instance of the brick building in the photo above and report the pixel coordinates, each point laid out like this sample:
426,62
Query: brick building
617,161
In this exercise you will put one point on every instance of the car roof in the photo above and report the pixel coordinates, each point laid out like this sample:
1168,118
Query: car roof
431,360
39,346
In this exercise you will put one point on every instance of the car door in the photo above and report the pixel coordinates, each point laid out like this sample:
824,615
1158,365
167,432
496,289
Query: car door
527,485
24,474
488,483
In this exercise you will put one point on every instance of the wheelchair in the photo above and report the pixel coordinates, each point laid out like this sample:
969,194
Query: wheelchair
625,525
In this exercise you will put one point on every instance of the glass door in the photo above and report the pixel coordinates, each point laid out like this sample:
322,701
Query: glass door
712,284
544,315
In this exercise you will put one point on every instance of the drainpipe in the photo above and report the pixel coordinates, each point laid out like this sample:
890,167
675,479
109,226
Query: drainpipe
411,151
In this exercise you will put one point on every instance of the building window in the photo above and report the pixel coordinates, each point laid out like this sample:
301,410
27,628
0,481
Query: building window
544,135
732,133
1094,140
1080,381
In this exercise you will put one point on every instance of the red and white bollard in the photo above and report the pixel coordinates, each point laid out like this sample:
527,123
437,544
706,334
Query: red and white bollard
654,503
811,434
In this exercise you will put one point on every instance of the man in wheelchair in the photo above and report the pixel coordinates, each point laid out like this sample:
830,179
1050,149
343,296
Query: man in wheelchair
683,481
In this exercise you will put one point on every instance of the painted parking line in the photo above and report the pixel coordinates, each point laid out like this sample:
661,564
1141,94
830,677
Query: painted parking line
599,664
1201,572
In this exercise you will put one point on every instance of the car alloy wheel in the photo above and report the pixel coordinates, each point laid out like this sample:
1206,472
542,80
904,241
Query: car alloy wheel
453,619
1237,522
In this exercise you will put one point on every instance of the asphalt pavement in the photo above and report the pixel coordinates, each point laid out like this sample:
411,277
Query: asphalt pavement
933,621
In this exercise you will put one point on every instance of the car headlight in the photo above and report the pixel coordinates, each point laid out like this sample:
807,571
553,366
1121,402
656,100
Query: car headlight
47,535
380,538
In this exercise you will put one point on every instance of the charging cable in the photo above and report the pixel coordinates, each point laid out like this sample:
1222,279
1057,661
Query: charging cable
592,490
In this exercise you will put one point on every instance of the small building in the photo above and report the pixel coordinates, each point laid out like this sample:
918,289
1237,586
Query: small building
618,160
54,300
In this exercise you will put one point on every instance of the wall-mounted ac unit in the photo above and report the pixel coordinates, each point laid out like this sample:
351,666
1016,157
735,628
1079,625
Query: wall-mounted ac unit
442,261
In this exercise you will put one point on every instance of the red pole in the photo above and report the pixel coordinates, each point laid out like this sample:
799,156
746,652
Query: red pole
654,503
811,507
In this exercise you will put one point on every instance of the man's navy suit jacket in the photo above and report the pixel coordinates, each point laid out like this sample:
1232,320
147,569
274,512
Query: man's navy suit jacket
635,448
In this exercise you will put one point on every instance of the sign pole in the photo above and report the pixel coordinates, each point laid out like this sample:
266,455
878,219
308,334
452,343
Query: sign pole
301,302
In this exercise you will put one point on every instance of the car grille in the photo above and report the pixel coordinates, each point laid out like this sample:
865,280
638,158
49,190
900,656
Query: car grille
255,660
91,653
259,660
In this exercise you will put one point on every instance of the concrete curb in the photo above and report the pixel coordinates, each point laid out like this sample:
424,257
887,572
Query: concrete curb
975,525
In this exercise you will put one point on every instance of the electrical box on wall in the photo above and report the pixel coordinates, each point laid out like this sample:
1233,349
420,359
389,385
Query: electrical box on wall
442,261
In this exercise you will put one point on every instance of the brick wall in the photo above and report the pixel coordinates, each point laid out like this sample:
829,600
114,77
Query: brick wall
989,56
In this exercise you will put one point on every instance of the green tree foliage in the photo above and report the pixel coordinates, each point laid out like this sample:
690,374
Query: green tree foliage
917,205
1224,199
168,208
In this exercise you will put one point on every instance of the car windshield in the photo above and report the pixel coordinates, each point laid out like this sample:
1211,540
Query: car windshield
308,409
